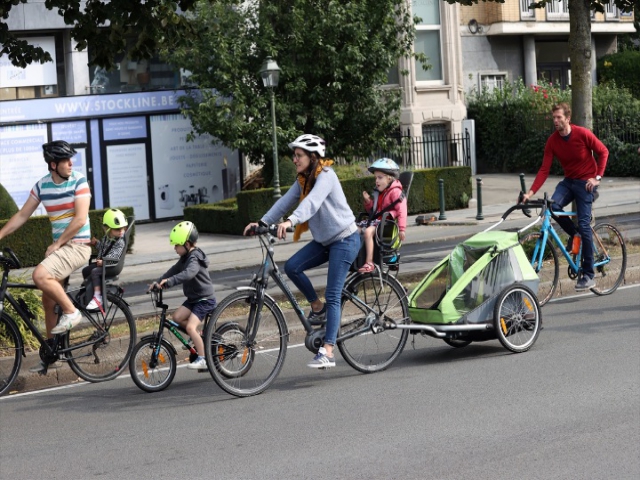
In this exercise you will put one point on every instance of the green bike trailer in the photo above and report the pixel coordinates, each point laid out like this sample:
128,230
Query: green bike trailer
484,289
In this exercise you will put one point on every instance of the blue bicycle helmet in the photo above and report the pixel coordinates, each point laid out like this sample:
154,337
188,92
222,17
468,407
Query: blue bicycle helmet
385,165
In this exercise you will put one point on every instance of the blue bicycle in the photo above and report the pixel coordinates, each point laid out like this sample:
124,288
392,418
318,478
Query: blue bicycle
609,253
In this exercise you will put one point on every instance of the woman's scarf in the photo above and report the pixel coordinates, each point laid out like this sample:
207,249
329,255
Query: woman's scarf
304,191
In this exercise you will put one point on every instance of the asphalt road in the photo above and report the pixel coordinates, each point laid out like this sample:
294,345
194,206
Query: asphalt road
568,408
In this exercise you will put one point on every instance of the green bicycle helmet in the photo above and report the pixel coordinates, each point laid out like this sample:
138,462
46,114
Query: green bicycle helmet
114,219
182,233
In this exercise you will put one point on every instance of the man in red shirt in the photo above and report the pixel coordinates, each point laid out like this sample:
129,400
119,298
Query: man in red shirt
574,147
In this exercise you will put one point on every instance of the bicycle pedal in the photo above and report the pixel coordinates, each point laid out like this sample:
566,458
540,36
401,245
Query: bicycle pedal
202,370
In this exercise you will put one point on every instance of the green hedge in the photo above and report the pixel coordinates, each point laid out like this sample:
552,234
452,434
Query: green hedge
231,217
8,206
30,242
513,125
623,68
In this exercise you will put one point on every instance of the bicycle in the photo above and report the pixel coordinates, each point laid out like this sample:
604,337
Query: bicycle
609,253
153,363
96,350
247,354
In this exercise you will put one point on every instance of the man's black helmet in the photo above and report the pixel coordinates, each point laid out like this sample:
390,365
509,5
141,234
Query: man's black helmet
57,150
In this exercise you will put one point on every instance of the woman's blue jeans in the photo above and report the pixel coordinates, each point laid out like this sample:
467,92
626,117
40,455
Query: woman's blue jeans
340,256
567,191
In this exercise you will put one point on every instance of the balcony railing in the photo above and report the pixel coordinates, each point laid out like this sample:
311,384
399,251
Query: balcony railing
525,11
558,10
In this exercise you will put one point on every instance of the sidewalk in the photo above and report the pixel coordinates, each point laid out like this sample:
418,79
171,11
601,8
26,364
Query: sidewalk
152,254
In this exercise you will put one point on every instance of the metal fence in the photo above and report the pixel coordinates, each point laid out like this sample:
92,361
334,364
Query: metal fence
434,150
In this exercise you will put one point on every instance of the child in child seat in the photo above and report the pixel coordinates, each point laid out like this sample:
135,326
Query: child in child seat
390,199
110,248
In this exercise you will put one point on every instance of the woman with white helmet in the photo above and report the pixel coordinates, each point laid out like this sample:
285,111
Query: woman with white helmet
321,208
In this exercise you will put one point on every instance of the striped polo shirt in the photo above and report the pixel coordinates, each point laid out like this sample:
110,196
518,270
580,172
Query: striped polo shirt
59,202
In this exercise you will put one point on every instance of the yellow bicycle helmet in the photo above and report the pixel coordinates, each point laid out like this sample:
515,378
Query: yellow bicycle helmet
182,233
114,219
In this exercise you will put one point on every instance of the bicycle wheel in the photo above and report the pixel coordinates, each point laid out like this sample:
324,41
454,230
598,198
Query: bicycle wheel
609,259
370,302
10,352
153,367
548,270
239,364
100,347
516,318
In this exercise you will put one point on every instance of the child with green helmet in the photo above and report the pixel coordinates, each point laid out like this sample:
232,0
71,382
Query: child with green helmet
109,249
192,271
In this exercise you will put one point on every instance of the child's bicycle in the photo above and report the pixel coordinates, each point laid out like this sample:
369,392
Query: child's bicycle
97,349
609,253
153,362
248,333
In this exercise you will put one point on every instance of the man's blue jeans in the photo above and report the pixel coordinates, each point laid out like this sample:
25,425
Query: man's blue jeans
340,256
567,191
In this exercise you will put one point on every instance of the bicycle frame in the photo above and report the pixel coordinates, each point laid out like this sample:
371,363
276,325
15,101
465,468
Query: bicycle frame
260,281
546,230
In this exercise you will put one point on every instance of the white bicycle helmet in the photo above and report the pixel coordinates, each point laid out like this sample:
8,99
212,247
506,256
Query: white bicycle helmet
385,165
310,143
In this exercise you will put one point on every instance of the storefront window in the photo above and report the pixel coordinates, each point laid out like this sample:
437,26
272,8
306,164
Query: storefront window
134,76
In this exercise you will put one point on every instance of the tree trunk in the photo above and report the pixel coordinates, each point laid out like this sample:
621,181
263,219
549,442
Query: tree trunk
580,52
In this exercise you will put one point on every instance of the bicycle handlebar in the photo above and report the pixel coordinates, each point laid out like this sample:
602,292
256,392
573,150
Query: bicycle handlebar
264,229
10,260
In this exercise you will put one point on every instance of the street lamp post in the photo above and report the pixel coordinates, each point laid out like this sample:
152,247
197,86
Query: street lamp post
270,73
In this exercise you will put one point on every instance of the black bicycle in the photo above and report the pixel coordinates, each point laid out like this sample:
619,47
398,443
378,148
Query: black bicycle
248,333
153,362
98,349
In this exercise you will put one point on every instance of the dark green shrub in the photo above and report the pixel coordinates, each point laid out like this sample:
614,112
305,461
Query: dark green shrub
623,68
8,207
33,299
512,127
32,239
253,204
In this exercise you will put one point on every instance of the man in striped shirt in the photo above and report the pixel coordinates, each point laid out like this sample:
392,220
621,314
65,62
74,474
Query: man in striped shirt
66,197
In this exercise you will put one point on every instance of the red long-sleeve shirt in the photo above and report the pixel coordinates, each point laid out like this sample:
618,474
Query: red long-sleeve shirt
575,156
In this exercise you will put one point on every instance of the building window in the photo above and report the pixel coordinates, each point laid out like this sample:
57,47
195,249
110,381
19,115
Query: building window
132,76
38,80
525,11
558,10
611,11
428,40
492,81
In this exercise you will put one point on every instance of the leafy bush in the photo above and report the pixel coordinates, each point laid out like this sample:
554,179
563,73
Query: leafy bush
623,68
231,218
33,300
7,206
513,124
32,239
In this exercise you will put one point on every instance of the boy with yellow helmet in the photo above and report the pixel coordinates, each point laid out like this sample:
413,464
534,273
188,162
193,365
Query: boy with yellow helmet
192,271
110,249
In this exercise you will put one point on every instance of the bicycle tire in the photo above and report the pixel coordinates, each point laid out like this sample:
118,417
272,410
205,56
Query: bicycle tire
232,352
151,372
609,276
10,352
517,318
100,347
370,352
548,272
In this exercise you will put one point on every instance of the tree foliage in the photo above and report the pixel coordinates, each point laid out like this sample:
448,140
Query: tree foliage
111,28
334,56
